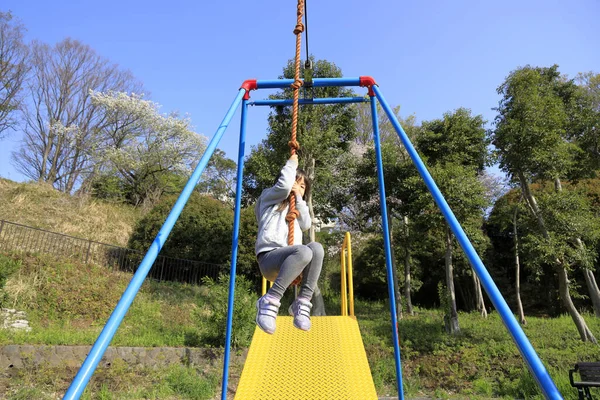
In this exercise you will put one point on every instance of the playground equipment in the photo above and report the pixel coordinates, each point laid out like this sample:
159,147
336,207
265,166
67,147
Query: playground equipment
333,345
529,355
328,362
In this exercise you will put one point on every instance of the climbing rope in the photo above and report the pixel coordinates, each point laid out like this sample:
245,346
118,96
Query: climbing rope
293,143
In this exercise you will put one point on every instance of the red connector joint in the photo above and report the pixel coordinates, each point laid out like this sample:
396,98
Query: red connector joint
249,84
368,81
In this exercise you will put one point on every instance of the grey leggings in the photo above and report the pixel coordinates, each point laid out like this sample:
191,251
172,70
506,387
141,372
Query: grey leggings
281,266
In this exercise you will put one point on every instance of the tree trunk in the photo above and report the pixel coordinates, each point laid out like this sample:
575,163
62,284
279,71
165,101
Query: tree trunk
479,296
522,319
477,304
592,286
590,281
563,286
563,280
407,277
317,299
451,318
394,269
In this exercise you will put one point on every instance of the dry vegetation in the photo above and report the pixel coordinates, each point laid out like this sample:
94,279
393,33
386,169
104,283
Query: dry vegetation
41,206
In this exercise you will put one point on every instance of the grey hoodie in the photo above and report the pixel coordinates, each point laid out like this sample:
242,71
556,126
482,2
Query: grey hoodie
272,227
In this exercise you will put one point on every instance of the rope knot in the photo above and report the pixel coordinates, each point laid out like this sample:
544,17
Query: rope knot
299,28
297,84
292,215
294,145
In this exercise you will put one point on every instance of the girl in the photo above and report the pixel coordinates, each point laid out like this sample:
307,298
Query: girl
278,262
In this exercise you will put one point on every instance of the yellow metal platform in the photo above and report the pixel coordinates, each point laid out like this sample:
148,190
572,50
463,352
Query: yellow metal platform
328,362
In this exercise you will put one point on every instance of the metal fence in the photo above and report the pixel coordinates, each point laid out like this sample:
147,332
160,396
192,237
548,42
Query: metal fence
17,237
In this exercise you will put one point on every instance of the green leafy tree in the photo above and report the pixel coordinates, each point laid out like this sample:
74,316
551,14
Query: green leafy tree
218,179
505,228
203,232
536,116
362,211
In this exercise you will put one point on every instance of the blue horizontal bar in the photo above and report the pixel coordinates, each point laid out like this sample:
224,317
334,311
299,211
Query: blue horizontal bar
317,82
332,100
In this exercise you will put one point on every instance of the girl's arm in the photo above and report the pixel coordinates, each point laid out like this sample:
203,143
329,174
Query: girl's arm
283,186
304,219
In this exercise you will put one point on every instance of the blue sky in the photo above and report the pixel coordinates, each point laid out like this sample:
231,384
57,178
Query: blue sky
427,56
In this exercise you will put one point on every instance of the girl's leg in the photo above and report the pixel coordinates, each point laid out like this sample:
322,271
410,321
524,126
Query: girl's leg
312,271
281,266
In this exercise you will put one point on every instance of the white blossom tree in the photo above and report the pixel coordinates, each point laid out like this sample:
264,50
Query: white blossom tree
146,151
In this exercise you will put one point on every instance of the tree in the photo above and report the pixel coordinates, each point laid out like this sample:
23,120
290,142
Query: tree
147,151
13,69
455,149
61,122
535,117
362,210
202,232
505,227
218,179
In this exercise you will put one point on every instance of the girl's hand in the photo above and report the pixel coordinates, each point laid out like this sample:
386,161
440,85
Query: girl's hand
298,189
294,157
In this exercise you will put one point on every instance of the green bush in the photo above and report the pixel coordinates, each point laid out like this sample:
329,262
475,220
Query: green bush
211,315
203,232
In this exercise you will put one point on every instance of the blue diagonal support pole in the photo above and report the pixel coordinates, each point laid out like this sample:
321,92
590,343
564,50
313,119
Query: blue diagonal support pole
91,362
529,355
388,248
234,248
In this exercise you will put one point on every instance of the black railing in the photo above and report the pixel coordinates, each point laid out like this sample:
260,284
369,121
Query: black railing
17,237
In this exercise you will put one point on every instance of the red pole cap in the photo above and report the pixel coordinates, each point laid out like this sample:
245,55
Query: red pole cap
249,84
368,81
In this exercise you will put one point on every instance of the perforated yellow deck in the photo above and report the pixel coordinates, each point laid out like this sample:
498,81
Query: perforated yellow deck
328,362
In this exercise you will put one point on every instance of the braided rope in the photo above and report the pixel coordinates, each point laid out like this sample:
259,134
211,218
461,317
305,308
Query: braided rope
293,143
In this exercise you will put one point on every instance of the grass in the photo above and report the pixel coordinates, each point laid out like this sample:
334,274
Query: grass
118,382
68,304
481,362
41,206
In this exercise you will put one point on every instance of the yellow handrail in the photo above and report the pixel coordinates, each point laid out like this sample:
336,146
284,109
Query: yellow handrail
347,284
264,285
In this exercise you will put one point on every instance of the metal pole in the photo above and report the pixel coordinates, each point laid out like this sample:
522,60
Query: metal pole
388,248
317,82
92,360
234,247
529,355
287,102
87,253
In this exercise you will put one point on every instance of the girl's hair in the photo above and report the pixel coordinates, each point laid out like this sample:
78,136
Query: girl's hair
300,173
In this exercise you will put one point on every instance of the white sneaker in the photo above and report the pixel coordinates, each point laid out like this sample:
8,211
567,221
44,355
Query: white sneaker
301,311
267,309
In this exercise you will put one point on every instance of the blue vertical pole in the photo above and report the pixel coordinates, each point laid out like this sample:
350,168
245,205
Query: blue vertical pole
529,355
388,250
234,247
91,362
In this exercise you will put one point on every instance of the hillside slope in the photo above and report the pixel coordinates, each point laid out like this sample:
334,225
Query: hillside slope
41,206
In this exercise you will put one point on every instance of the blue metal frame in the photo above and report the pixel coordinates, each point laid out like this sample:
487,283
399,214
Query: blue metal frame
91,362
317,82
533,361
287,102
234,248
388,248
